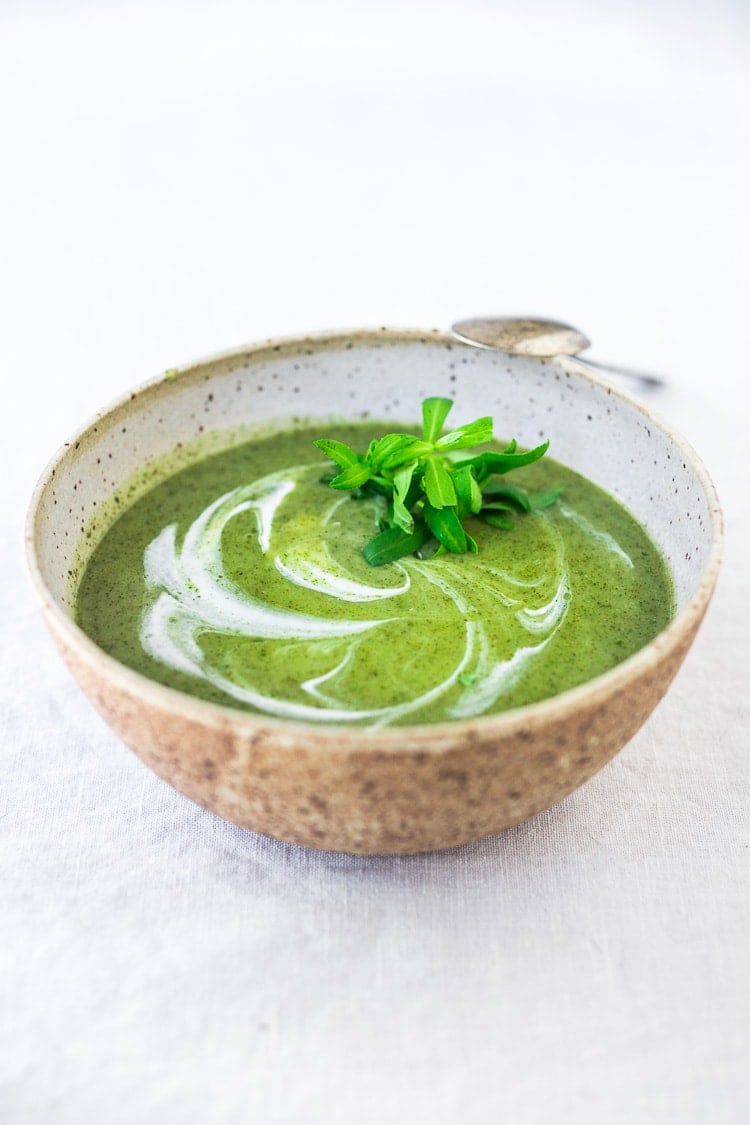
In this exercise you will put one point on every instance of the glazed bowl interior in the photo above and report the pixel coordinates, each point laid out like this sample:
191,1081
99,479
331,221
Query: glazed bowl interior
397,789
600,433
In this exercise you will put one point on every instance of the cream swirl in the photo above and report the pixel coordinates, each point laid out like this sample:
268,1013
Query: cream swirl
246,634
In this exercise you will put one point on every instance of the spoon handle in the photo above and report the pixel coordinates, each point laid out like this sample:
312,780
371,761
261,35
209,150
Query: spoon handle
644,378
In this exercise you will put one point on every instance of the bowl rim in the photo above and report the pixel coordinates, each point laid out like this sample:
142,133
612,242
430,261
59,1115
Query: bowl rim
335,736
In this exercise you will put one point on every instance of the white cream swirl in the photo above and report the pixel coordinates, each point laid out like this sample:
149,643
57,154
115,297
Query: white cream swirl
304,666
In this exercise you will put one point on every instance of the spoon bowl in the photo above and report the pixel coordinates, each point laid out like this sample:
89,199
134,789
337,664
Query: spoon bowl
522,335
544,338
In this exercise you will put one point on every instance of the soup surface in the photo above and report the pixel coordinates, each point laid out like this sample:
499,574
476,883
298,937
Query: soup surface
241,580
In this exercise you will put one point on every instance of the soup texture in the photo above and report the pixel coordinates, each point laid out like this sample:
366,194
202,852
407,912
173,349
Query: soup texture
241,580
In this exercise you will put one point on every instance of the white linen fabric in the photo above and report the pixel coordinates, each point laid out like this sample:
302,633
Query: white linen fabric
179,178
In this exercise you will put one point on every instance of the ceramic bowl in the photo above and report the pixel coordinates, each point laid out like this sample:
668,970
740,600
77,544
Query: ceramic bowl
393,790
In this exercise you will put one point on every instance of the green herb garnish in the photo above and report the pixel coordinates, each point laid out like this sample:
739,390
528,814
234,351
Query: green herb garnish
428,491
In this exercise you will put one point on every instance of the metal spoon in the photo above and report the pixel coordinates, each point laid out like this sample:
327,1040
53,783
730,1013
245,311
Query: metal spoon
546,339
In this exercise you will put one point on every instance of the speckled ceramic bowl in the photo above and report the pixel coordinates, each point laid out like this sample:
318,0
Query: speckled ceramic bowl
402,789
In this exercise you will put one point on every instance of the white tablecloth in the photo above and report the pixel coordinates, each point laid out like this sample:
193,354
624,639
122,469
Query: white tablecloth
178,179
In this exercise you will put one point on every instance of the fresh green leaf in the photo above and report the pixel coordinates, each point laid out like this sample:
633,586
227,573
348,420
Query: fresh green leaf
402,517
426,492
517,498
496,519
394,543
438,484
501,506
468,492
434,413
407,452
352,477
540,500
389,446
476,433
487,463
339,452
446,527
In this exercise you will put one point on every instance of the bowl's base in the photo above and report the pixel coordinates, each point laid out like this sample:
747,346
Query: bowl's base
407,790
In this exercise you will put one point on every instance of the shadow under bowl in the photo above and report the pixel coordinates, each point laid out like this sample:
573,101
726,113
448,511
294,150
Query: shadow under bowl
392,790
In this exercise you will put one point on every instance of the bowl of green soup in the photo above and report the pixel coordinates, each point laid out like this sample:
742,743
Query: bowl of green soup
323,609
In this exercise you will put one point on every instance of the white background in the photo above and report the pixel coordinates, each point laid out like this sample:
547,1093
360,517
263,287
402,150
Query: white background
179,178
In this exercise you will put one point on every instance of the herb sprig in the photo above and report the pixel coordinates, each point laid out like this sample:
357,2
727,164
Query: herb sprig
428,490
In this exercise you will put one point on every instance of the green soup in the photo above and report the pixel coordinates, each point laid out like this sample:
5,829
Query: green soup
241,580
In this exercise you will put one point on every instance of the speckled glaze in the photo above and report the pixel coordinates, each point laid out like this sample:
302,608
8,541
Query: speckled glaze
395,790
